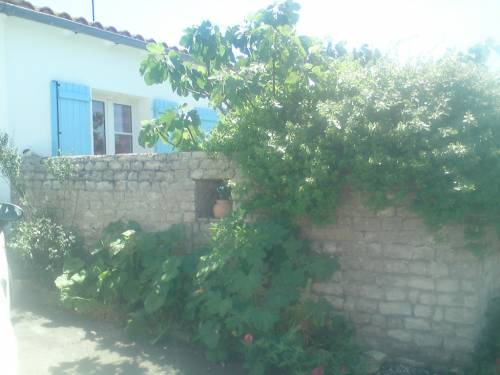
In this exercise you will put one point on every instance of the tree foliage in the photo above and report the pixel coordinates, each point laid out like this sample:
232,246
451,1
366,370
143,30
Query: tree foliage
305,120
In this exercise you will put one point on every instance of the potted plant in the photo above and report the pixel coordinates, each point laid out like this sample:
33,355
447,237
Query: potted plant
223,204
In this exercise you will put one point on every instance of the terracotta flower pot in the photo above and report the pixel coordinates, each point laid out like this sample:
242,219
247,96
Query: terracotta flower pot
222,208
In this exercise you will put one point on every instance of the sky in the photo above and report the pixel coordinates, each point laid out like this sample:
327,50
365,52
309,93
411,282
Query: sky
401,28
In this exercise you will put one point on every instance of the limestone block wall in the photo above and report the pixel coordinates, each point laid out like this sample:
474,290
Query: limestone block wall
156,190
409,294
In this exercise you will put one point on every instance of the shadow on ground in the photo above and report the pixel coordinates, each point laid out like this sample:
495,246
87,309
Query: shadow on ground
55,342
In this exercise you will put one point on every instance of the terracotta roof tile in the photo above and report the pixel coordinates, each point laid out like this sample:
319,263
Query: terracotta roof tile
81,20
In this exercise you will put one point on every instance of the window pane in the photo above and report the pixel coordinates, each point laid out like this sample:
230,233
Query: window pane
123,144
123,118
99,127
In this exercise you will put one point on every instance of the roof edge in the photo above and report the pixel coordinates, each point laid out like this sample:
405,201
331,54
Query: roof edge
78,28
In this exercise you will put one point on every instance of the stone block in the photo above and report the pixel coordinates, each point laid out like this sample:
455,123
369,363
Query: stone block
104,185
100,166
418,268
146,176
448,285
196,174
391,223
367,305
152,165
396,266
108,175
371,291
414,295
428,299
395,308
467,332
400,334
371,265
460,315
398,251
137,166
120,175
421,283
423,311
387,212
438,315
458,344
121,185
392,280
443,328
417,324
336,302
427,340
423,253
414,224
189,217
144,185
365,224
437,269
395,294
469,285
395,322
361,318
115,165
451,299
379,320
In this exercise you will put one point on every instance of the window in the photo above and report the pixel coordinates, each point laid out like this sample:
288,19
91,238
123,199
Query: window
123,128
99,127
112,126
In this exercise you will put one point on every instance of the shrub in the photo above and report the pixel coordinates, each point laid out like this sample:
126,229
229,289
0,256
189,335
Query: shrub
140,273
303,121
253,298
37,247
246,295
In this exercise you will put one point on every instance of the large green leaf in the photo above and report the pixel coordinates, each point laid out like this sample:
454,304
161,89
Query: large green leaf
154,300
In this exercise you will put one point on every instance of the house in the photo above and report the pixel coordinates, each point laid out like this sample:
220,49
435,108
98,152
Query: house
69,86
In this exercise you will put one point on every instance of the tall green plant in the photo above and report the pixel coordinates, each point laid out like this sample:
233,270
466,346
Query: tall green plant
305,120
253,297
143,274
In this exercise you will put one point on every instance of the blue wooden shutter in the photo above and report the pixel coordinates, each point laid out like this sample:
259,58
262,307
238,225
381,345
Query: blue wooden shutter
71,119
159,106
208,118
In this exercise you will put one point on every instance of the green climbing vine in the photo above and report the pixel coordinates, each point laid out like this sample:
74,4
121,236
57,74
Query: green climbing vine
305,120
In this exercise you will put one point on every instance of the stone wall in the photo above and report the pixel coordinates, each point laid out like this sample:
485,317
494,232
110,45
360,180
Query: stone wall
156,190
409,295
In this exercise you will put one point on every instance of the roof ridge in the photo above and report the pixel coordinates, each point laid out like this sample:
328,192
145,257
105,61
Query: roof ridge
83,21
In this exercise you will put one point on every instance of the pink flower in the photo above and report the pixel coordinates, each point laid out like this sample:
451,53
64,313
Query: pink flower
320,370
248,338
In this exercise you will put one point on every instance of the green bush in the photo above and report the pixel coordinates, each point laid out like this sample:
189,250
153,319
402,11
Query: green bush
304,122
246,295
37,247
253,298
141,274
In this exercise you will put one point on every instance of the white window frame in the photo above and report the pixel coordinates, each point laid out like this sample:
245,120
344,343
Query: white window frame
109,118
